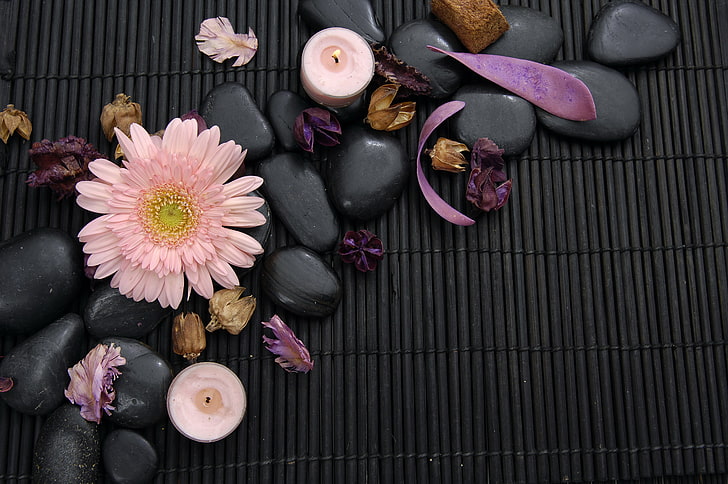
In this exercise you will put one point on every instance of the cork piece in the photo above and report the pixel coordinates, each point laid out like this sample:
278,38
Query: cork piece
477,23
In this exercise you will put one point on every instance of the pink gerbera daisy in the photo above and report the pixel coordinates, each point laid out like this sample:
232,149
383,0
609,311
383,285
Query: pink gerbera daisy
166,213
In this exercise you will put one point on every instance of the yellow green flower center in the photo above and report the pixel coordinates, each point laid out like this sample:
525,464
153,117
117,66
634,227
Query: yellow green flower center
168,214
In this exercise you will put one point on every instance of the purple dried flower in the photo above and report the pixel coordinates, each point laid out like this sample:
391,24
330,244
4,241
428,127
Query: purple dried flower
292,353
362,248
486,162
316,125
201,123
6,383
92,381
62,164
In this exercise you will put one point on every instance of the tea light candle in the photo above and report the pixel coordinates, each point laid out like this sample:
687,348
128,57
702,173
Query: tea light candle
206,402
337,64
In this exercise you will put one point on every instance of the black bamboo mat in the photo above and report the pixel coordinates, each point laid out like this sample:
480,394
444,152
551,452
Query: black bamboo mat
578,334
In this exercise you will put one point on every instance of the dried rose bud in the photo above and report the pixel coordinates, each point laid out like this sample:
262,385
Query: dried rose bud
486,162
229,311
14,121
447,155
293,356
385,117
316,125
120,113
188,336
396,71
62,164
361,248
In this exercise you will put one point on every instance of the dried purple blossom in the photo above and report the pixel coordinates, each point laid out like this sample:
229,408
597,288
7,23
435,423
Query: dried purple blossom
62,164
316,125
201,123
396,71
486,162
292,353
92,381
362,248
6,383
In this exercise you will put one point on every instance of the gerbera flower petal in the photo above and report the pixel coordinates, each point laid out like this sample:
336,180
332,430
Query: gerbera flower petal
145,147
225,162
249,219
201,281
223,273
179,136
95,227
106,170
127,146
93,196
244,242
242,186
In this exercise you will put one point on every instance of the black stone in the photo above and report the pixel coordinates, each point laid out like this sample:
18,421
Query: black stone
356,15
354,112
128,458
110,313
532,35
233,109
141,389
629,33
39,366
491,112
297,195
47,276
616,100
366,173
409,43
68,448
297,279
283,108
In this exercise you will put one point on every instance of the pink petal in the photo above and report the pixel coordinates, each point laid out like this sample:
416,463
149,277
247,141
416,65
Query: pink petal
93,196
218,39
145,148
244,242
106,170
223,273
174,287
179,136
242,186
249,219
97,226
200,281
127,146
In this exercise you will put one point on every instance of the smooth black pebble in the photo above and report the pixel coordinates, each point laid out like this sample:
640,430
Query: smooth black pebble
128,457
141,389
366,173
68,449
297,279
47,277
110,313
409,43
356,15
39,366
282,109
616,100
233,109
629,33
491,112
532,35
297,195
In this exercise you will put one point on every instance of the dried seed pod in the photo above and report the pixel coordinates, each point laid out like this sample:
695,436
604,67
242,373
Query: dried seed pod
188,336
229,311
120,113
14,121
447,155
385,117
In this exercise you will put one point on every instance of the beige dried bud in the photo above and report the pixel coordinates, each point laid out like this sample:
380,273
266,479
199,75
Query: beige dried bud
229,311
447,155
382,116
120,113
14,121
188,336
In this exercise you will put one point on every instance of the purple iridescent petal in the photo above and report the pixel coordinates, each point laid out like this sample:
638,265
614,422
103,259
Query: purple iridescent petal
293,356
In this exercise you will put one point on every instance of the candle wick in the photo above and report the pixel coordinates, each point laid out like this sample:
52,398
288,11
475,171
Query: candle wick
336,55
207,400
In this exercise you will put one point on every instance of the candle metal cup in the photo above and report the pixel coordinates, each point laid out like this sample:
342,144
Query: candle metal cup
206,402
337,65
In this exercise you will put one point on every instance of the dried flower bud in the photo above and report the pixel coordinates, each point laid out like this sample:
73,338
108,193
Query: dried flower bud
188,336
316,125
229,311
6,383
293,356
120,113
14,121
447,155
385,117
486,163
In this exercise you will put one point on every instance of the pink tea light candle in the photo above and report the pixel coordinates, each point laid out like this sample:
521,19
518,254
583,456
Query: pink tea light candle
206,402
337,65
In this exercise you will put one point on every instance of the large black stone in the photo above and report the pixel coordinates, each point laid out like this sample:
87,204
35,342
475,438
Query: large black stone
297,279
47,276
39,366
141,389
628,33
110,313
409,43
233,109
366,173
532,35
356,15
128,458
491,112
297,195
283,108
616,100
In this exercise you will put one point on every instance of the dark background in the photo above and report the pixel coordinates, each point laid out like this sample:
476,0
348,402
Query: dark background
577,334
